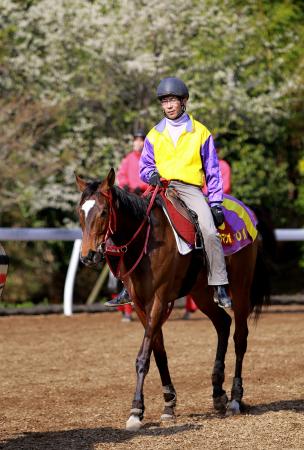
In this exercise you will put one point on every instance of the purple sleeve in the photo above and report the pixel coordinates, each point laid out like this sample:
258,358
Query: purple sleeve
147,161
212,171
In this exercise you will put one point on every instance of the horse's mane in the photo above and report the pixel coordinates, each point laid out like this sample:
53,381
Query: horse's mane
135,205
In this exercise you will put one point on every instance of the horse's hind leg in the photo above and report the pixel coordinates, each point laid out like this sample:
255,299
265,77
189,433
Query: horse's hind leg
221,321
243,263
168,388
240,343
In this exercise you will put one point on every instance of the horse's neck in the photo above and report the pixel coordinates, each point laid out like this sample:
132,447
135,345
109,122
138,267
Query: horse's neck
126,226
128,223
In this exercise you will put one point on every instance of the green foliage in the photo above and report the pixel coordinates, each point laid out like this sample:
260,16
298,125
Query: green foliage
254,164
77,76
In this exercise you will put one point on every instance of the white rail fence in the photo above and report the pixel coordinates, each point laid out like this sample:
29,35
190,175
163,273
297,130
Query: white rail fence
74,234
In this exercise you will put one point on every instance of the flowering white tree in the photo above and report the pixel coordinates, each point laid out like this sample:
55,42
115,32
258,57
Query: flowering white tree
77,75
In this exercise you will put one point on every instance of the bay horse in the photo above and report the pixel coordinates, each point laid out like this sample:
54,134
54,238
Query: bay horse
155,275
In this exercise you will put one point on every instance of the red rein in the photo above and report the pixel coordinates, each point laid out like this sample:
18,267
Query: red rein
119,251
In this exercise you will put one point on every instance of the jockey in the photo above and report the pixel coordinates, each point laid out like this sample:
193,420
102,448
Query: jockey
181,150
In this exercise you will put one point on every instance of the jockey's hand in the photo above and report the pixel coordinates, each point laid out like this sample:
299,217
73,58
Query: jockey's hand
218,215
155,179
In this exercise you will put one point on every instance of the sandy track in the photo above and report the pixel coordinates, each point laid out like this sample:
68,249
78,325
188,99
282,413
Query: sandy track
67,383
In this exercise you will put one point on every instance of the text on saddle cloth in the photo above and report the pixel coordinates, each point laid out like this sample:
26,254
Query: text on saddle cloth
240,226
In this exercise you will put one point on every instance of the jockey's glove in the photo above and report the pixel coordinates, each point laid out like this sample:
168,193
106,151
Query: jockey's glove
218,215
155,179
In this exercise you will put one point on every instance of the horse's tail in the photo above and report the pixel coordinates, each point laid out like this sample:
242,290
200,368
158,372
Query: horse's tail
260,291
265,227
260,288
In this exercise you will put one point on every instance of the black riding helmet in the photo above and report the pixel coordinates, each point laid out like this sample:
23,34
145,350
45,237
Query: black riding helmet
172,86
139,133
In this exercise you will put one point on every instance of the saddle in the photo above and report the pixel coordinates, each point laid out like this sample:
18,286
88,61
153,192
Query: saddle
183,219
238,230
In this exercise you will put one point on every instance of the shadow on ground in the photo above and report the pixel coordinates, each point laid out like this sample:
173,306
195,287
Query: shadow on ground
85,439
282,405
255,410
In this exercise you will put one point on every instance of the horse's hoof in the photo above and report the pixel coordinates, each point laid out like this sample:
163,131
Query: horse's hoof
233,408
167,417
220,403
133,423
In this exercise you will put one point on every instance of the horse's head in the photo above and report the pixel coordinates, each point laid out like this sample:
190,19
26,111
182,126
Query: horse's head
94,216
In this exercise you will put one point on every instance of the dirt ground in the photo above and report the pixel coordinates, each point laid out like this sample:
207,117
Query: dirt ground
67,383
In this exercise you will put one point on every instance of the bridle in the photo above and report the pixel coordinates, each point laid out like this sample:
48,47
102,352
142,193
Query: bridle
107,249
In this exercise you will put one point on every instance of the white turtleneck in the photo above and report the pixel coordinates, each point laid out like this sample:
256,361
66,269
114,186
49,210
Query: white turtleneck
176,127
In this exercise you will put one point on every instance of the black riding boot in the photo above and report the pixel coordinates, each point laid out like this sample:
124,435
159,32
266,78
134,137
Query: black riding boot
221,297
121,299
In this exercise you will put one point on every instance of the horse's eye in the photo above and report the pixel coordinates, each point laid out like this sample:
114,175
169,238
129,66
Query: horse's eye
103,213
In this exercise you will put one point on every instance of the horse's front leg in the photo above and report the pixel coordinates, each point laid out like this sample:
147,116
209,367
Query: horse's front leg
142,368
168,388
154,320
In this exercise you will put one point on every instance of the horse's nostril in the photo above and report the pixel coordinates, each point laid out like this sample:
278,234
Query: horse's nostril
86,260
91,258
83,259
97,258
91,255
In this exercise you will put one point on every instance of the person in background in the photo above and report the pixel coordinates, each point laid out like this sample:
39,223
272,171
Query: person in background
128,172
224,168
190,306
128,179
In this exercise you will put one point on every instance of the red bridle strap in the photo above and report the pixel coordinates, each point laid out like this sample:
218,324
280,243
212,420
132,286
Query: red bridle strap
112,216
120,250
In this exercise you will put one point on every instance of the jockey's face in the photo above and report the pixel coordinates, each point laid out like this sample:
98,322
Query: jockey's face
138,143
172,106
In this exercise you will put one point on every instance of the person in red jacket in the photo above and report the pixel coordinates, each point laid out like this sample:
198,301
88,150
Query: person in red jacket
128,179
224,168
190,306
128,172
226,175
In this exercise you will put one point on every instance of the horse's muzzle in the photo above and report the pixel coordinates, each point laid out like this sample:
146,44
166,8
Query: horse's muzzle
92,259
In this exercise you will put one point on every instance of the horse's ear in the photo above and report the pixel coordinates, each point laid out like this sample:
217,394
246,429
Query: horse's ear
81,183
111,177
